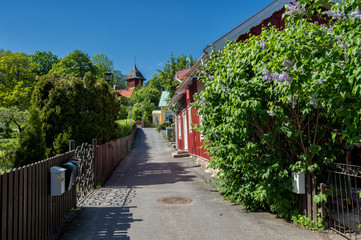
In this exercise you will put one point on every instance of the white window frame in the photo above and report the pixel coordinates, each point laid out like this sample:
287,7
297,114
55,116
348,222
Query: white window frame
190,119
179,127
200,124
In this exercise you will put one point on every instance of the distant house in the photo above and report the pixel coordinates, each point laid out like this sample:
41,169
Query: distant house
164,114
134,79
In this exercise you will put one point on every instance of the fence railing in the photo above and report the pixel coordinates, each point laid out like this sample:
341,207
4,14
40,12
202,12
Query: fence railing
343,211
27,209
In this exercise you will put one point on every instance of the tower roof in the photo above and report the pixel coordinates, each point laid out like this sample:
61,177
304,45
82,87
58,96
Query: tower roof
135,73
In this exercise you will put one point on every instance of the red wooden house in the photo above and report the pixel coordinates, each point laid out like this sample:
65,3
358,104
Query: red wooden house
188,139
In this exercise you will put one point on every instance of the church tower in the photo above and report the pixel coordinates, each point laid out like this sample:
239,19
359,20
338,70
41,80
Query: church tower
134,78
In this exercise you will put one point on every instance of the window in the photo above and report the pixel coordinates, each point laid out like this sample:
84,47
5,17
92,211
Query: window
168,116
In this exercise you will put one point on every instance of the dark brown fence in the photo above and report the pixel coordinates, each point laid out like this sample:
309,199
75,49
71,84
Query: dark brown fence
112,152
27,209
306,205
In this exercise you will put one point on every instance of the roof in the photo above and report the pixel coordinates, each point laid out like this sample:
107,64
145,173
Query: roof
187,81
164,99
156,112
135,73
245,26
125,92
181,74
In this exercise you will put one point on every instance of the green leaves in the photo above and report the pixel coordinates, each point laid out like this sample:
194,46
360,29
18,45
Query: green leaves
287,94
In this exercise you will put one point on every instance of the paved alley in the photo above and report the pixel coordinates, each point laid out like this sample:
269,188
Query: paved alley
127,206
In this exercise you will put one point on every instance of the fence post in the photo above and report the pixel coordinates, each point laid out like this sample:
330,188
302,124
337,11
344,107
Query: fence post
95,144
71,145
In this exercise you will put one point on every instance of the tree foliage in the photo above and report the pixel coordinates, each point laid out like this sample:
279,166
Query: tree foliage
77,109
75,64
164,79
32,144
282,102
104,64
43,62
144,100
16,80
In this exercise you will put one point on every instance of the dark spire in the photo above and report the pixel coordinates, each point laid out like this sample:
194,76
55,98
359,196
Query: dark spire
134,74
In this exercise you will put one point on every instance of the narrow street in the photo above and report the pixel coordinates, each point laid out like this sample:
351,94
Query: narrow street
127,206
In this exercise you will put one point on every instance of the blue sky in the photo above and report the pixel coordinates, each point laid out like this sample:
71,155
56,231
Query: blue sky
122,30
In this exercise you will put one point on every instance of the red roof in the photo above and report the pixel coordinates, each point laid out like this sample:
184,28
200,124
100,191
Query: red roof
182,74
125,92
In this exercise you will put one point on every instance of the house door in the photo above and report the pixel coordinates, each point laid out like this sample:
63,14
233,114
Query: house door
185,132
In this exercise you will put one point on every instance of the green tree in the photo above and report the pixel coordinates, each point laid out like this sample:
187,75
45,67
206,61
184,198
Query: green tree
32,144
75,64
15,116
144,100
104,64
164,79
43,62
74,108
16,80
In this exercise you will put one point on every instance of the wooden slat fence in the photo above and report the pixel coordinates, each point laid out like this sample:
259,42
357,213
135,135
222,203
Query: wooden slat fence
113,152
27,209
306,204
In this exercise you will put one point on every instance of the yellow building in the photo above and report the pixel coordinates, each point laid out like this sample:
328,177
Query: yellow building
164,114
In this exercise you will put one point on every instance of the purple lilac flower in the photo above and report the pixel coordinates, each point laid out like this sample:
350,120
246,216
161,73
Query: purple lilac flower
263,44
336,14
276,77
224,87
202,101
358,50
294,8
314,74
356,14
342,64
211,77
266,75
320,81
287,63
330,29
314,100
271,113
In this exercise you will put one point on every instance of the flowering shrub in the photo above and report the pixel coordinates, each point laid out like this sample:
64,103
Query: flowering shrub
281,102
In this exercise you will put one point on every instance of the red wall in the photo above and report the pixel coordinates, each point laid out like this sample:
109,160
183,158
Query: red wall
194,137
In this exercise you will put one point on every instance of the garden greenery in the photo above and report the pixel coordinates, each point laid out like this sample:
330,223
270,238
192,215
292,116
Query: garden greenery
282,102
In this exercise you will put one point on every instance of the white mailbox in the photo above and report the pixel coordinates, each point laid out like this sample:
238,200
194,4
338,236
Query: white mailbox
57,181
298,182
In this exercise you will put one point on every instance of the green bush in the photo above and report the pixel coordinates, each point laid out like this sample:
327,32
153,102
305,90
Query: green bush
75,109
282,102
32,142
163,126
124,128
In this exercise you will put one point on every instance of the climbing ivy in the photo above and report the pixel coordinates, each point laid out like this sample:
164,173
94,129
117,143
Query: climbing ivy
282,102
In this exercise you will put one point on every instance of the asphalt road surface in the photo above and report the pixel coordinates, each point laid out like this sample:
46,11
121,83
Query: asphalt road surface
129,204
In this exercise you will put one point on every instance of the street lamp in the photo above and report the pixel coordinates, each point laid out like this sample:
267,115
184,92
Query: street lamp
108,76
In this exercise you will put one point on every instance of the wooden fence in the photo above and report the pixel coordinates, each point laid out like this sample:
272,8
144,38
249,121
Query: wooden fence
27,209
306,204
113,152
